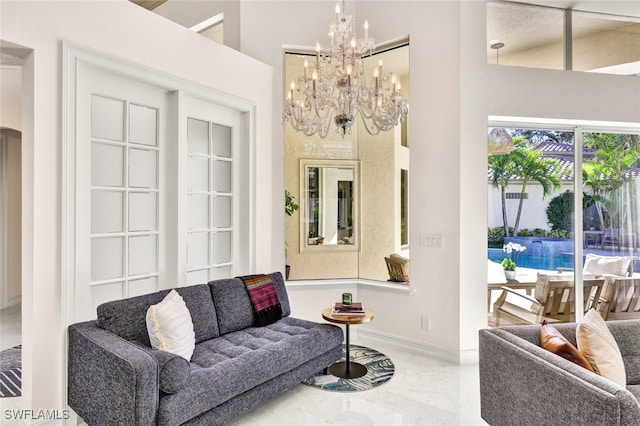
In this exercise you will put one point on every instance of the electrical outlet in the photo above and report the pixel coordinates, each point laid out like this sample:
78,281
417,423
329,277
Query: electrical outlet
425,323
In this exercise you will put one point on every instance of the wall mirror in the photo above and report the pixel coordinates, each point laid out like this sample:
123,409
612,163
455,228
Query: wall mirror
329,205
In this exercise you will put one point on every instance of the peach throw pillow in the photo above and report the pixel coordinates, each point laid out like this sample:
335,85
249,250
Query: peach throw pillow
597,344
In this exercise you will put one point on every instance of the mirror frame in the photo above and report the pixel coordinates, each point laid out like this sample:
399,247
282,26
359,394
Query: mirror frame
305,165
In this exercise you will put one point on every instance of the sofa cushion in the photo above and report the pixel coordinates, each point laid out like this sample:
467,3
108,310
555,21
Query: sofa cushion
553,341
597,344
606,265
236,362
170,326
233,306
127,317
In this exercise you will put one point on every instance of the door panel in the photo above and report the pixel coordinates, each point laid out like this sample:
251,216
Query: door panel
121,136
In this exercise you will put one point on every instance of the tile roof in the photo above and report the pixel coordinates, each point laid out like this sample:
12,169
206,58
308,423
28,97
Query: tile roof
563,152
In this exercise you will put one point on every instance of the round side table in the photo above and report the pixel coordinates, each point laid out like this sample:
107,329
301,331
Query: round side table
347,369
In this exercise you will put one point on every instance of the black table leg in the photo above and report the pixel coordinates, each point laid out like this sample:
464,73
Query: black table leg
348,369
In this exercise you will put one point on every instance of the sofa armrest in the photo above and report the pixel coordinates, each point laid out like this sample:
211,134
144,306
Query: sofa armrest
519,380
110,380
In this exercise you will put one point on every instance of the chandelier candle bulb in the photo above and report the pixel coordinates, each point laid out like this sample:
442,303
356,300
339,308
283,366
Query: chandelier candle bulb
366,32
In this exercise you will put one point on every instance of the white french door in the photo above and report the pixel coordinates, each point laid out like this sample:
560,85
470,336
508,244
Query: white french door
121,154
161,190
214,204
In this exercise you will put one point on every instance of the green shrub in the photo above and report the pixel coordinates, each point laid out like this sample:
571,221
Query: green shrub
560,210
559,233
496,235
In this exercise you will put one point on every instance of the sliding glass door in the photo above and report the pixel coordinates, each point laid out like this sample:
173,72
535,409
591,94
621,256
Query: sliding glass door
542,238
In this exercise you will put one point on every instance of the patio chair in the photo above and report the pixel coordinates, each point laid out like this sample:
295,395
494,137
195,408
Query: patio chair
611,237
553,300
626,299
398,268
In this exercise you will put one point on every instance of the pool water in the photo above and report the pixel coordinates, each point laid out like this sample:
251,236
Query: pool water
547,263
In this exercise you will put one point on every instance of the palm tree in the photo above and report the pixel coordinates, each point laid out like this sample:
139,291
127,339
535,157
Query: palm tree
531,166
606,173
501,167
526,165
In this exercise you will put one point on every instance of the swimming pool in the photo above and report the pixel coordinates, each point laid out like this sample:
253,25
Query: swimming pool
547,263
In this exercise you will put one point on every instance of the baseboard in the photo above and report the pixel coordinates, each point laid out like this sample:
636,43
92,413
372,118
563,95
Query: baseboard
469,357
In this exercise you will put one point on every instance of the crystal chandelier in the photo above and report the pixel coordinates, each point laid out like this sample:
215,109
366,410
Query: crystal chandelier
335,88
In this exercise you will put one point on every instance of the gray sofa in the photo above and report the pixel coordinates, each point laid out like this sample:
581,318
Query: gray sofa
116,378
523,384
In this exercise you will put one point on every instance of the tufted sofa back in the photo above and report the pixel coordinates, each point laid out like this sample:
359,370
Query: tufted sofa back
216,308
127,317
233,305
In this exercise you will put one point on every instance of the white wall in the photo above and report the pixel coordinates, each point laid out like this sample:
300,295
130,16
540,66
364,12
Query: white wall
453,91
520,92
130,33
534,208
189,13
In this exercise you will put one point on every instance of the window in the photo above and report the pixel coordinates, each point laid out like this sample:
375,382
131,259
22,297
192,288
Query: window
606,44
379,225
557,232
212,28
531,36
548,37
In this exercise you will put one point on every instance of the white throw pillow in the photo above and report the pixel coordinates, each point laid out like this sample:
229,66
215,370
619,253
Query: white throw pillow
597,344
170,326
606,265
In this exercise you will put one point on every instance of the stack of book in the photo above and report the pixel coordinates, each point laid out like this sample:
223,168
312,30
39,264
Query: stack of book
353,309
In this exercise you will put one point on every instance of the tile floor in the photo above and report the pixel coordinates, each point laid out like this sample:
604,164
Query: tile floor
422,392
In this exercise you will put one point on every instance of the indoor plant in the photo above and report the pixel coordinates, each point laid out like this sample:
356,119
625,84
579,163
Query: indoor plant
509,263
290,207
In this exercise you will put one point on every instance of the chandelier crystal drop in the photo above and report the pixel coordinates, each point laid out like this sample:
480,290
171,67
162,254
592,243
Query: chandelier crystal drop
335,87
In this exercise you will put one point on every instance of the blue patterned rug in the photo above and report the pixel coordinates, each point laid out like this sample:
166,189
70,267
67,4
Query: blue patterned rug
380,370
11,372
